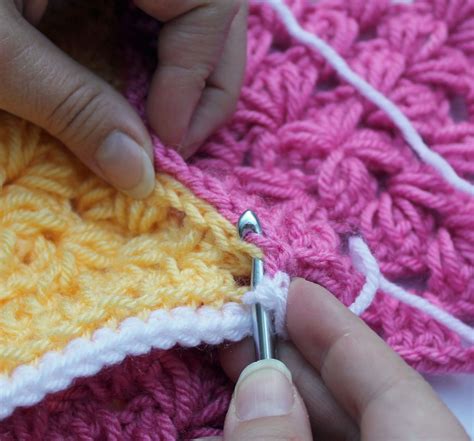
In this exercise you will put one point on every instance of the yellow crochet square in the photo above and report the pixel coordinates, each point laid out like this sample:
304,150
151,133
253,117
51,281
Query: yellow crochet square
76,255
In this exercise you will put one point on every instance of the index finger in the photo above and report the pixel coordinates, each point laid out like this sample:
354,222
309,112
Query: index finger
372,383
190,46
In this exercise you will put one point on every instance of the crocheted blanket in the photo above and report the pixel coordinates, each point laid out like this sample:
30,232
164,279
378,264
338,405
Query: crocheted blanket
353,141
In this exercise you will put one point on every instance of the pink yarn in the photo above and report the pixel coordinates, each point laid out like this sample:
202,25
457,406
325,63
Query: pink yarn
318,163
162,396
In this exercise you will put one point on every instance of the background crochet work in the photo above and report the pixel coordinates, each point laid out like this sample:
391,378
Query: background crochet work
319,163
76,255
164,396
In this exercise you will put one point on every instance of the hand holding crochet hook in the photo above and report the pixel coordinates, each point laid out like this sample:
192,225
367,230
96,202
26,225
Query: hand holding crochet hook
337,379
202,49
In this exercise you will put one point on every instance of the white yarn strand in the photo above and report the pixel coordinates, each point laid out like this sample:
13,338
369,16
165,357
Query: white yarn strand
272,294
83,357
190,327
370,268
381,101
364,263
443,317
164,329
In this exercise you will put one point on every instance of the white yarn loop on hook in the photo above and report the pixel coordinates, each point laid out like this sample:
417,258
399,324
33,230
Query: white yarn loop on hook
190,327
272,294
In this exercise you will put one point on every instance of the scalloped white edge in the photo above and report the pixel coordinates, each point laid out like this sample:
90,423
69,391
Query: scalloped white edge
164,329
190,327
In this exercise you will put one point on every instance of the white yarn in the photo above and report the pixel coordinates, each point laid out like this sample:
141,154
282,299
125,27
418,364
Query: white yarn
367,265
382,102
370,268
190,327
443,317
272,294
164,329
83,357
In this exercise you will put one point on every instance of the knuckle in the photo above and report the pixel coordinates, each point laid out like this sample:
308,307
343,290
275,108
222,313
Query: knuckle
6,37
196,75
14,60
407,382
74,117
232,100
243,5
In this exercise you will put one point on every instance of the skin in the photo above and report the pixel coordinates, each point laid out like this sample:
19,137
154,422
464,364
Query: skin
347,383
202,48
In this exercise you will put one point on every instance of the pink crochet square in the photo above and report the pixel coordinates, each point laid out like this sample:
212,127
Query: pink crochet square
319,163
166,395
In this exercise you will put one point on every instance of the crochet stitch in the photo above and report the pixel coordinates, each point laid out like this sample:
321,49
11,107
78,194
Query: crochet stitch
76,256
316,161
162,396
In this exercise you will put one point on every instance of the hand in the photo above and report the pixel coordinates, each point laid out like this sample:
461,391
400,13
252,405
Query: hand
194,90
353,385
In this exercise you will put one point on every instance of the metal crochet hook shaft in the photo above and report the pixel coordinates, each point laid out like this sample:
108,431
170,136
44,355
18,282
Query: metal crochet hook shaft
261,319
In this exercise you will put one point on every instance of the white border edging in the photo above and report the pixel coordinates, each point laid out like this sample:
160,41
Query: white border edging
182,326
190,327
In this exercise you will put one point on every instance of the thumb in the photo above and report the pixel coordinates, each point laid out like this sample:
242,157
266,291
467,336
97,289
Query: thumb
266,406
41,84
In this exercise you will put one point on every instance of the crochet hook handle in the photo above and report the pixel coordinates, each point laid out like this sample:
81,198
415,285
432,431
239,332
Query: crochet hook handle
262,323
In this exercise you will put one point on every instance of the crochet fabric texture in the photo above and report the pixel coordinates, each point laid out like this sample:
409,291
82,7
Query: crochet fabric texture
320,164
90,277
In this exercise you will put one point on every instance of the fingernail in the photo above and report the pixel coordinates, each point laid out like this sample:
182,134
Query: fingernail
264,390
126,165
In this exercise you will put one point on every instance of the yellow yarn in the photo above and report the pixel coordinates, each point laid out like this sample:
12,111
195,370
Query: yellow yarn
75,255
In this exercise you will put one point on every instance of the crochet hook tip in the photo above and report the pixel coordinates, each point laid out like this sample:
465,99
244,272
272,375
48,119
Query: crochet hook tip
248,223
262,323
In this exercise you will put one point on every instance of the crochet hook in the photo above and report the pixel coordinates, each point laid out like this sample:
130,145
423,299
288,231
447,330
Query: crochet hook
262,323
